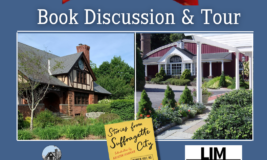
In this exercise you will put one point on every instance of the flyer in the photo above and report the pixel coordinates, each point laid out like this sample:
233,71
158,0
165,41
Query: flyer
137,80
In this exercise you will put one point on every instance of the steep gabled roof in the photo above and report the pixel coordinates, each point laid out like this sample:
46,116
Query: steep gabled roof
67,63
99,89
23,48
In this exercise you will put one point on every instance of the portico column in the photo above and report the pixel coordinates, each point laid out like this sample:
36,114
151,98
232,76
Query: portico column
237,70
171,69
199,74
191,67
250,72
210,69
145,70
159,68
222,66
166,68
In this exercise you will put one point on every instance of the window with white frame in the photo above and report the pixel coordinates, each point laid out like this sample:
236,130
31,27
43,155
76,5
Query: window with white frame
188,66
168,69
163,67
176,69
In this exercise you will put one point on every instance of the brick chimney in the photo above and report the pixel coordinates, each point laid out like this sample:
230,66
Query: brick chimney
145,43
85,49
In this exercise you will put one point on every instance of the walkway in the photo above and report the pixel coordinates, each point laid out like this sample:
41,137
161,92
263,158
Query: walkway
185,130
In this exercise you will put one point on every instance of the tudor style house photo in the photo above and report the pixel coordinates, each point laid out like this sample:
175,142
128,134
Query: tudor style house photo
73,91
72,87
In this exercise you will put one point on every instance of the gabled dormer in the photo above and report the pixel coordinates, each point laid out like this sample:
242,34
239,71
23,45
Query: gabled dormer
76,71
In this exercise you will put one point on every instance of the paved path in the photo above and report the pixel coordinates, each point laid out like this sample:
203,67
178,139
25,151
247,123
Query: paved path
185,130
156,93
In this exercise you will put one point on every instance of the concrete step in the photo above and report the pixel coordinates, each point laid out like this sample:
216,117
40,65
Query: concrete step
61,115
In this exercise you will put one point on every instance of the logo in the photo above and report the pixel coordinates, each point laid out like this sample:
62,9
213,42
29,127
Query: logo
187,2
213,152
64,1
51,153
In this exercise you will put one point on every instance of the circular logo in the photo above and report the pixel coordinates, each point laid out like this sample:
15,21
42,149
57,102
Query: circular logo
51,153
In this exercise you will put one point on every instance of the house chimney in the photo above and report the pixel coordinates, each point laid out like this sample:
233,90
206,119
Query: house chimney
180,44
145,43
85,49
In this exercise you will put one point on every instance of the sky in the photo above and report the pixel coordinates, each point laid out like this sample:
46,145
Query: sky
103,46
49,149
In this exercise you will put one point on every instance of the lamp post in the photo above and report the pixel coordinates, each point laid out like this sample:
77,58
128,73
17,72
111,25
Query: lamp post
243,60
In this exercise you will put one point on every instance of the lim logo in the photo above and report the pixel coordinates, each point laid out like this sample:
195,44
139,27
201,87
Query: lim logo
213,152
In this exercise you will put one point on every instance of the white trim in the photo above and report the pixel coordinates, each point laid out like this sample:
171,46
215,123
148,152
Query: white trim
222,66
237,86
210,69
199,74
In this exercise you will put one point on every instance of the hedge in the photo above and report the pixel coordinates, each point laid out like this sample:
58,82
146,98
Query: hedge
178,82
99,108
124,108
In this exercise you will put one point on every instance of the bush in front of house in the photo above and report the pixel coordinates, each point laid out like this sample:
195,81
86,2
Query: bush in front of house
227,122
124,108
77,132
102,107
178,82
25,135
222,82
20,120
105,118
145,109
52,132
166,115
169,97
156,80
27,122
161,74
105,101
242,97
214,83
186,74
46,118
186,97
199,107
243,84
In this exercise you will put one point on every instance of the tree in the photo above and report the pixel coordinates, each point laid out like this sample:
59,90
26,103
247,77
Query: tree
169,97
34,78
145,109
222,82
115,85
161,74
186,74
186,96
246,68
140,71
174,37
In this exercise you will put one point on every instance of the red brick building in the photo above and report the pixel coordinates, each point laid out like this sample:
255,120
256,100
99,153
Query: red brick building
72,88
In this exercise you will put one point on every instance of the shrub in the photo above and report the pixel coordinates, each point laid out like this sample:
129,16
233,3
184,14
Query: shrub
20,120
227,122
178,82
124,108
145,107
98,129
105,101
24,135
105,118
46,118
200,108
27,122
129,96
166,115
169,97
161,74
192,112
186,97
77,132
186,74
241,97
214,82
243,84
48,132
156,80
99,108
222,82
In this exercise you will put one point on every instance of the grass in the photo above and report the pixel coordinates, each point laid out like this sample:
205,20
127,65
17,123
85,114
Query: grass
214,82
68,128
